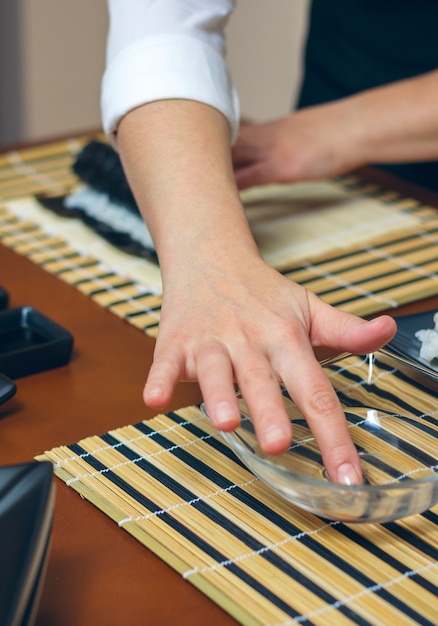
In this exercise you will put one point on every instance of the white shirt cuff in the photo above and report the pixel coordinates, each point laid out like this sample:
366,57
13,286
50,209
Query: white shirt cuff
167,67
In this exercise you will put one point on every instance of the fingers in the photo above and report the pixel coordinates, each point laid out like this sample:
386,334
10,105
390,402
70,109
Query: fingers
164,375
251,165
242,352
313,392
259,388
246,147
215,376
258,173
305,380
261,391
308,386
314,395
344,332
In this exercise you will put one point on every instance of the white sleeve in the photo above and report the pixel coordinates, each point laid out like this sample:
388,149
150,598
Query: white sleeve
164,49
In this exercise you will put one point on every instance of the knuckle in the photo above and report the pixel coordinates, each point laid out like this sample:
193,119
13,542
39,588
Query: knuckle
162,364
340,449
208,349
266,416
322,400
255,375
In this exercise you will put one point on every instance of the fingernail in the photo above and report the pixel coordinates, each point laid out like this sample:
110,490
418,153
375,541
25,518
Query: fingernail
348,475
152,394
224,416
273,438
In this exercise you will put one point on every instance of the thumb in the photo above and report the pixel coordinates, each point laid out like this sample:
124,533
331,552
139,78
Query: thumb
342,331
253,174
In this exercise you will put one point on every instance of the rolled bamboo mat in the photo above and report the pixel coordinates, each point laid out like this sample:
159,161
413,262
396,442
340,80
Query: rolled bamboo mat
174,485
359,247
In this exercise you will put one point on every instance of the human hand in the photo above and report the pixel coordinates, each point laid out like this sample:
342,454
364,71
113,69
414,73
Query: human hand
315,143
227,317
225,322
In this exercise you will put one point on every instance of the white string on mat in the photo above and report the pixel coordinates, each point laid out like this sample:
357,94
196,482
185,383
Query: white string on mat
370,368
179,505
84,272
300,535
247,555
358,595
143,457
121,443
415,269
299,444
84,455
344,283
411,472
169,429
359,228
24,168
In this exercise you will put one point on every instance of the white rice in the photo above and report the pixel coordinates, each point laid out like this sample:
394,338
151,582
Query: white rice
429,341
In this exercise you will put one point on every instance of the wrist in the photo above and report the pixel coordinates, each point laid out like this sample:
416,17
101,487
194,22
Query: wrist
216,234
352,147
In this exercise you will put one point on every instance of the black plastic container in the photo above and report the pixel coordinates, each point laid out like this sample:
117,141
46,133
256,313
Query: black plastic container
4,298
26,514
7,388
30,342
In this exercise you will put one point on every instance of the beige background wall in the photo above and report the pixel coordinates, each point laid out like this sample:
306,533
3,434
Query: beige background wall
265,39
52,58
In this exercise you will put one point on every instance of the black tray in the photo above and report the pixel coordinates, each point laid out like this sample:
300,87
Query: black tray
26,513
7,388
30,342
407,345
4,298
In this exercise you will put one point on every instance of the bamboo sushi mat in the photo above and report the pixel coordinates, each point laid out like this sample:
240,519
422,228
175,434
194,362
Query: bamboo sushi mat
359,247
174,485
172,482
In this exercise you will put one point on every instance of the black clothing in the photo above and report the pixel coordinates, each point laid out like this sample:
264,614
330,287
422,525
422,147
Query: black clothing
354,45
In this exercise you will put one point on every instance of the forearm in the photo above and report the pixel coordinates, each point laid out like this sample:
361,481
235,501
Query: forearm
395,123
176,154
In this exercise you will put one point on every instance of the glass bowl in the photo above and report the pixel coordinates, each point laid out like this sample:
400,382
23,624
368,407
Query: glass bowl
389,407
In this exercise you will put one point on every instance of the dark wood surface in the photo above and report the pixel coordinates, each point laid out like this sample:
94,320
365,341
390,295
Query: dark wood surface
97,573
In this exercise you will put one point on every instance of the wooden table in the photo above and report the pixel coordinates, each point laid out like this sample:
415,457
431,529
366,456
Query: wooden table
97,574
